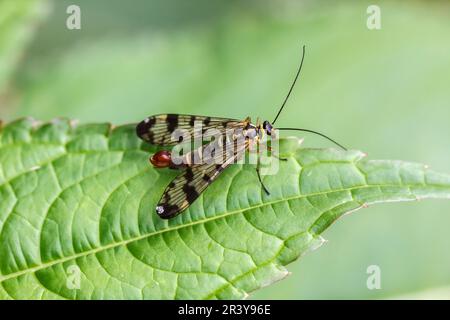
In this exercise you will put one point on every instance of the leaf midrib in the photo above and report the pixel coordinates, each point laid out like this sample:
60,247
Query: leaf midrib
202,221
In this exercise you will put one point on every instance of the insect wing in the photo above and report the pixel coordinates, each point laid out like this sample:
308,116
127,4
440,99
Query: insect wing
160,129
188,186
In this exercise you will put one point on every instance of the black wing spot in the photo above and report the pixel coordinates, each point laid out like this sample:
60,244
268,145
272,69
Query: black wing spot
192,121
167,211
206,178
191,193
172,122
143,128
207,121
189,174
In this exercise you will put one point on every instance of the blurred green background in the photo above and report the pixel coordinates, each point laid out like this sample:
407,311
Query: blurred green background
386,92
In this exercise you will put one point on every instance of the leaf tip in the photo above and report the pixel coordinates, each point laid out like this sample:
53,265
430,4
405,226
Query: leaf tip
73,123
34,123
316,243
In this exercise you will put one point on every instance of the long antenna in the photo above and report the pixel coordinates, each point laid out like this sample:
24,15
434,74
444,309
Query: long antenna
292,86
315,132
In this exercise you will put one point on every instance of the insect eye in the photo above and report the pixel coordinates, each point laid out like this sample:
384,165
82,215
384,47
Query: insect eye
268,127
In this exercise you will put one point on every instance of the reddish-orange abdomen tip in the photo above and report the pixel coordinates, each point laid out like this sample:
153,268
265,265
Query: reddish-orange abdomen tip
161,159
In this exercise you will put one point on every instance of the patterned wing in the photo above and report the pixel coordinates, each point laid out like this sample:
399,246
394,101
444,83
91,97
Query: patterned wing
158,129
187,187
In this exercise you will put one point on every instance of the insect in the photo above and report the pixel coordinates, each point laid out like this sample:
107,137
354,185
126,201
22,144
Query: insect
196,176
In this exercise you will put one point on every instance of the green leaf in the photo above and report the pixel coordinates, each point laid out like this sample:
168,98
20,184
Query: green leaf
83,198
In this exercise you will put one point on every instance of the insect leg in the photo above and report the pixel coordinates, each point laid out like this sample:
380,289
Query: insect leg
260,180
